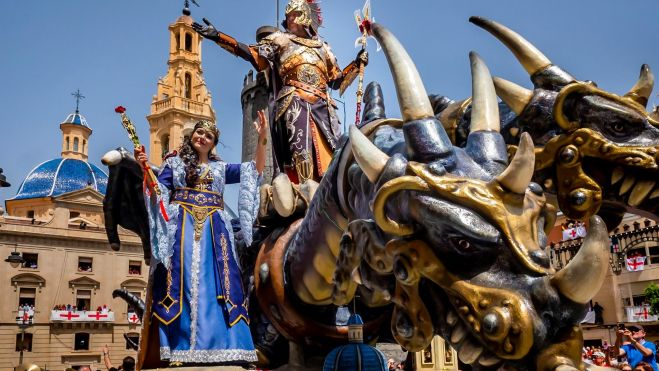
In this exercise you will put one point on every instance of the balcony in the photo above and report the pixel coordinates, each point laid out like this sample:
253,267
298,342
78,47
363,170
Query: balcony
81,318
622,244
184,104
25,317
640,314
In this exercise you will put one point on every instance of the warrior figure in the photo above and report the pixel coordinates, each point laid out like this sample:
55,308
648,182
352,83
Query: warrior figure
303,67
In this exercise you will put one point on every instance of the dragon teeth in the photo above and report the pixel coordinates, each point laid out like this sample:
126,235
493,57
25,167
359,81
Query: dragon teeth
458,334
627,184
617,174
640,192
469,352
488,360
451,318
655,194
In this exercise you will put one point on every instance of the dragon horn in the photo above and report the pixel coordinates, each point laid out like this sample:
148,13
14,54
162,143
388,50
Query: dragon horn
515,96
412,97
517,176
582,278
642,90
369,157
526,53
485,110
425,136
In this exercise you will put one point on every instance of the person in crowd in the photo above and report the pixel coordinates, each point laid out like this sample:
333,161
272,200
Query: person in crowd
644,366
127,364
638,350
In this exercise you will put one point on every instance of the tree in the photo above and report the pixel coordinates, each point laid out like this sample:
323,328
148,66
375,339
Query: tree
652,296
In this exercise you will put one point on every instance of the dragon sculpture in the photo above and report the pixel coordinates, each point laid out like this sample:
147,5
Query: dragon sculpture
434,238
597,152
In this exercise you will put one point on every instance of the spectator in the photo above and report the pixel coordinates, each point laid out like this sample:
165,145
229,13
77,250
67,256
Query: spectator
644,366
85,368
625,367
638,349
391,364
128,363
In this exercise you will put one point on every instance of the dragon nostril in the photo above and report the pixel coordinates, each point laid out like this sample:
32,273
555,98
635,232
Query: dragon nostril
404,326
400,270
490,323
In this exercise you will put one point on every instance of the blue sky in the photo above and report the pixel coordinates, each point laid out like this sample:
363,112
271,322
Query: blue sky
114,52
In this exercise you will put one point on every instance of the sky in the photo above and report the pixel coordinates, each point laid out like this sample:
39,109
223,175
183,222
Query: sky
115,51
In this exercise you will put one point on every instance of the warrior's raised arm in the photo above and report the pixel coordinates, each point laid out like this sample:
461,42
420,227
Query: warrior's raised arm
305,127
261,54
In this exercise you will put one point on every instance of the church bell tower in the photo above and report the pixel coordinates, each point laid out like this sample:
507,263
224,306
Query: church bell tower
182,97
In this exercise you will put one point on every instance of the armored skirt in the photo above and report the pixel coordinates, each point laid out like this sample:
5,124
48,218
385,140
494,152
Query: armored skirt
196,296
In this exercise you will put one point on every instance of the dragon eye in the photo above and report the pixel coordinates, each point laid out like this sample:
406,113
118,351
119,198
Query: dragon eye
464,245
618,128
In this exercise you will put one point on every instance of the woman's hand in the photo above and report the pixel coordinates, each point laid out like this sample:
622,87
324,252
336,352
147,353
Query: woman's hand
140,156
261,126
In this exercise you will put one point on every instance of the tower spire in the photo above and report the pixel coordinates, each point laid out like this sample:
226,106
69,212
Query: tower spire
78,98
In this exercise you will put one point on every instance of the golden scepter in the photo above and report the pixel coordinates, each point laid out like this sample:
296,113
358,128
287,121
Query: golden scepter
150,177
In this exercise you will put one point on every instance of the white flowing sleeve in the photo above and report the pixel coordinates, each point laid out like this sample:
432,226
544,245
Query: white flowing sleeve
248,198
163,216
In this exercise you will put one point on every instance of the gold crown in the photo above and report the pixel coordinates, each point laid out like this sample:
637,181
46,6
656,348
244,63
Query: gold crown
207,125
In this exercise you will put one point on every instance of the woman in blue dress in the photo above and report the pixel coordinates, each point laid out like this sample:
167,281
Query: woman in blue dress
196,299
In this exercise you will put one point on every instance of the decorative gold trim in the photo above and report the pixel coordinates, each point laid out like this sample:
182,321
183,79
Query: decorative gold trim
590,89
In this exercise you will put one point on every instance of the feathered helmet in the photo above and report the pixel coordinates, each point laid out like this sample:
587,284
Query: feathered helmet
310,15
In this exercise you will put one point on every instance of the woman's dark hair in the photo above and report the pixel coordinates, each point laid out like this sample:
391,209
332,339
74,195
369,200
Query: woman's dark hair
190,158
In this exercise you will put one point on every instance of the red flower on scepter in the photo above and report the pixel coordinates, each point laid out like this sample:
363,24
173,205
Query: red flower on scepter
120,109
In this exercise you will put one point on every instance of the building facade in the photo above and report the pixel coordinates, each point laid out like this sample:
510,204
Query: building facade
634,265
58,309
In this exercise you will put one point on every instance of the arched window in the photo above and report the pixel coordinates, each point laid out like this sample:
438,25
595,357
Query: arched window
164,142
188,86
188,42
68,144
84,146
178,41
75,144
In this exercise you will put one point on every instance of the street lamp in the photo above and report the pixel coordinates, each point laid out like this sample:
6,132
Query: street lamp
15,259
24,321
3,180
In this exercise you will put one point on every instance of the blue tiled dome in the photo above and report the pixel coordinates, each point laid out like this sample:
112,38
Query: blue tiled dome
76,119
59,176
355,357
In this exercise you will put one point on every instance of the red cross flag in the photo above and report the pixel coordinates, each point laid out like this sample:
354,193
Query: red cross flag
133,318
635,264
69,315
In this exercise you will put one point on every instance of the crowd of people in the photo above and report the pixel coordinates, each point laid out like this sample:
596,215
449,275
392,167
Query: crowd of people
74,308
393,365
631,352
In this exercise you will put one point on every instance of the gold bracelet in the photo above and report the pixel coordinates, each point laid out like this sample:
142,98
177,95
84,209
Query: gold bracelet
264,141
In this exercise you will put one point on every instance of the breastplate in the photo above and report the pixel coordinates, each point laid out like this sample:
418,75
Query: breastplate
305,64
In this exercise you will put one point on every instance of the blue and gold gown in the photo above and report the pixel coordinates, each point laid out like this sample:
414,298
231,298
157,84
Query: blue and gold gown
198,300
